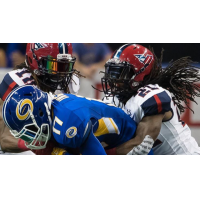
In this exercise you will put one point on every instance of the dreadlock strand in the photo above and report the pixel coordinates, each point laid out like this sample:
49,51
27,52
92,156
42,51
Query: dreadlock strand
179,78
183,76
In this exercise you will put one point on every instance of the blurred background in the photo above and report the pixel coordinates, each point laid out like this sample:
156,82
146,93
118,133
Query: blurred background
91,58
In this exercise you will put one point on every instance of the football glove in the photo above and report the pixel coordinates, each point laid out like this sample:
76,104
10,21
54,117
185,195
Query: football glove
144,148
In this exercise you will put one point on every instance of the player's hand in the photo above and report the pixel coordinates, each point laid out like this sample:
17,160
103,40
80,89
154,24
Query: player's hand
144,148
58,151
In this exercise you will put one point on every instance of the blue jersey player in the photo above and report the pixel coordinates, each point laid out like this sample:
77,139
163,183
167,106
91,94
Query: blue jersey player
73,122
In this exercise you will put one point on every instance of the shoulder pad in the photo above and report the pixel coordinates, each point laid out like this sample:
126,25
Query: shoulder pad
157,104
22,77
15,79
6,86
148,102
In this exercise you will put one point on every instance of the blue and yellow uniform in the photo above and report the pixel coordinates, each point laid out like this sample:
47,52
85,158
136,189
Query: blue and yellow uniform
77,122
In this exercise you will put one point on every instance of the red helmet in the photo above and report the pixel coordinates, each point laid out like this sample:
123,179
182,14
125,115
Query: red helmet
51,62
140,58
128,65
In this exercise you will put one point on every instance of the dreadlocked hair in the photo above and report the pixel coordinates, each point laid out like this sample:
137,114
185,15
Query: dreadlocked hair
180,78
20,66
39,83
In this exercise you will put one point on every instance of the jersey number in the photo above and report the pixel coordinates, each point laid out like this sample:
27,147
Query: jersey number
179,118
58,121
26,80
144,92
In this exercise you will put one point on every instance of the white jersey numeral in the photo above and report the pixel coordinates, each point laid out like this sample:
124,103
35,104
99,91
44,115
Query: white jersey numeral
58,121
60,97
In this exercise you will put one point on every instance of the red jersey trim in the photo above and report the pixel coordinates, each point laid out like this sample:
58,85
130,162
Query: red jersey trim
159,103
10,87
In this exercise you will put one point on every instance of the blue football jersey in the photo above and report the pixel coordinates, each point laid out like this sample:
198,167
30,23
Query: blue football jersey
75,118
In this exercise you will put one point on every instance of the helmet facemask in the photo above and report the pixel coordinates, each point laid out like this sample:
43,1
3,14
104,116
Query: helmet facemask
56,74
35,137
116,81
26,112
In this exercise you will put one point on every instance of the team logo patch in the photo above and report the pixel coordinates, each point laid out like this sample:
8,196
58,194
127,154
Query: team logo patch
22,110
38,46
71,132
146,60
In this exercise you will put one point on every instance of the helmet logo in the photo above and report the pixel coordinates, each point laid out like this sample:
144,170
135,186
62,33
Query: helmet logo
71,132
146,60
38,46
22,110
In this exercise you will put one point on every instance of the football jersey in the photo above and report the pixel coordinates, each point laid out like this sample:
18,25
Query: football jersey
175,135
71,117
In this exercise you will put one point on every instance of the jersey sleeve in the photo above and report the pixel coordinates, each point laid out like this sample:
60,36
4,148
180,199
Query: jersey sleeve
14,79
6,86
91,145
148,102
157,104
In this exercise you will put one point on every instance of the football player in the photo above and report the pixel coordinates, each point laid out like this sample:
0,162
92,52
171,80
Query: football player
75,122
49,66
152,96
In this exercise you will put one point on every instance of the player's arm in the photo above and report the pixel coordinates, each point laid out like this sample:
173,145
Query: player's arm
155,110
149,126
76,133
11,144
91,145
7,142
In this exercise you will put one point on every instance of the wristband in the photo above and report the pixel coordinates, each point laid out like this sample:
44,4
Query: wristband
22,146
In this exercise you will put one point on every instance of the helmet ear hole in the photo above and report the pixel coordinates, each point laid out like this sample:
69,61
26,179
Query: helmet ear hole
41,113
30,95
